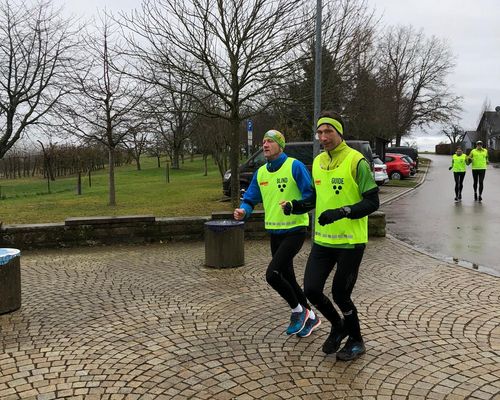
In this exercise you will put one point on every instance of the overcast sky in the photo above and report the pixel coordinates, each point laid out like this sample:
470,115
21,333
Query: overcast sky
471,29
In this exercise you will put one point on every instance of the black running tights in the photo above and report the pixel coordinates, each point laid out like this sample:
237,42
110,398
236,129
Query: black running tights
459,183
280,274
320,264
478,175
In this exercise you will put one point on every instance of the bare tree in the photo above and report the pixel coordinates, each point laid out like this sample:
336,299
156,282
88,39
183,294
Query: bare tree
35,51
454,132
103,104
347,30
136,142
236,52
172,115
485,107
414,69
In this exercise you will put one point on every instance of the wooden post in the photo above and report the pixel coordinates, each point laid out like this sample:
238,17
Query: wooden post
79,184
167,172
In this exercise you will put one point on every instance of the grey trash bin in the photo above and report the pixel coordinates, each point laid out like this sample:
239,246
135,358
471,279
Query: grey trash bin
10,280
224,243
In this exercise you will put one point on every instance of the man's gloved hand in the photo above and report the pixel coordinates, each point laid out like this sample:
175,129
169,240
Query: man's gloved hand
330,216
449,168
287,207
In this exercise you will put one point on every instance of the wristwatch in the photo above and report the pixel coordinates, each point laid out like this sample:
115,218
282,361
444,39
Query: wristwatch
347,210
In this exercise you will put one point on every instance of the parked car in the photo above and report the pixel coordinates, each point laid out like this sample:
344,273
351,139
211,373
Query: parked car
397,166
409,151
380,171
302,151
413,164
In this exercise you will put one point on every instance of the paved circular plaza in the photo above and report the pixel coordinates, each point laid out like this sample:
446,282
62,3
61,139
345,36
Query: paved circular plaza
151,322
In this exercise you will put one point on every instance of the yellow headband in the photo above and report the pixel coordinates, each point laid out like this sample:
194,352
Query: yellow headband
330,121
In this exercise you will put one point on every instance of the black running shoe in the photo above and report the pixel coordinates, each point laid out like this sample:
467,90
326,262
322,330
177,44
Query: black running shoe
480,198
352,350
475,196
334,340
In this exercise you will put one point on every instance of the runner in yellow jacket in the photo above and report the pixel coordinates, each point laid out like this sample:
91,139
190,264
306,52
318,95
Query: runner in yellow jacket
478,158
459,166
345,193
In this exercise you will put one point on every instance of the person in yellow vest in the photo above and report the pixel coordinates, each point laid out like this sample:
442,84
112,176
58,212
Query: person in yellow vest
459,166
345,194
282,178
478,158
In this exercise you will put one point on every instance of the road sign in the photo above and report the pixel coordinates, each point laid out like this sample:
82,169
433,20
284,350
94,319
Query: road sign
250,136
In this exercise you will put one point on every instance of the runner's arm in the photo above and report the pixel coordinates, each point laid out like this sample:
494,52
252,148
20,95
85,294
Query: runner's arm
252,197
369,192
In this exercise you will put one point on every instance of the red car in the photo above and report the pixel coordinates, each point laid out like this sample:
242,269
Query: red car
397,166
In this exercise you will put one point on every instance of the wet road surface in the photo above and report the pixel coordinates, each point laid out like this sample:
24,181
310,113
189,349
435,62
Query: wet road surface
429,219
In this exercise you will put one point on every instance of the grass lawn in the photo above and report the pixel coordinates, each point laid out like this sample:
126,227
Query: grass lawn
189,193
401,183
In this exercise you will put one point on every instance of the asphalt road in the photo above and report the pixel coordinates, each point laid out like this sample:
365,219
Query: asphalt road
467,232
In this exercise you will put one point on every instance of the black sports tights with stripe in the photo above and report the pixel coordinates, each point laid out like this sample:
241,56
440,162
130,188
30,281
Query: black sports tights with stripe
320,264
280,273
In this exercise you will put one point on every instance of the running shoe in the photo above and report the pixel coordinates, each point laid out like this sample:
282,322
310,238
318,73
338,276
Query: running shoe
311,324
297,321
475,196
352,350
480,198
334,340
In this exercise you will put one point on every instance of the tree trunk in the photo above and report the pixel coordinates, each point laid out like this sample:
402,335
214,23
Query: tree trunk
112,193
175,159
234,159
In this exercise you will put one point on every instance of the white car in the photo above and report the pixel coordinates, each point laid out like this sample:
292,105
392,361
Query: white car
380,171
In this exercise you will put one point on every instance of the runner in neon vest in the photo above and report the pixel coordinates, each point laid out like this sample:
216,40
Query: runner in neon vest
282,178
345,194
459,166
478,157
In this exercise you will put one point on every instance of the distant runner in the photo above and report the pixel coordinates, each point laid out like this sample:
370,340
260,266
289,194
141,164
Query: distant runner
478,157
459,166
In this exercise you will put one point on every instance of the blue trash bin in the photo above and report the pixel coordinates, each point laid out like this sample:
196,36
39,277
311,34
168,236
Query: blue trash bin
10,280
224,243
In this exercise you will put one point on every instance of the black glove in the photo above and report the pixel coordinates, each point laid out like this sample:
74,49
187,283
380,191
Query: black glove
330,216
287,209
449,168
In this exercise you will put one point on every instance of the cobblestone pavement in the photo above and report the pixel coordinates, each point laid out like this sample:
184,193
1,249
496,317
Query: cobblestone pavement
151,322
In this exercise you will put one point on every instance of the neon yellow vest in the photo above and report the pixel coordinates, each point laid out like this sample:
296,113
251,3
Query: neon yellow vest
459,163
277,186
336,188
478,158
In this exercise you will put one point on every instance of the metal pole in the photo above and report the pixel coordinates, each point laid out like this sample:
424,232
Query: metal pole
317,77
317,92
